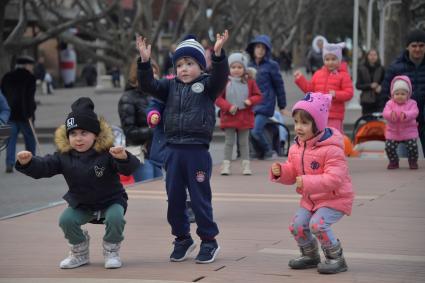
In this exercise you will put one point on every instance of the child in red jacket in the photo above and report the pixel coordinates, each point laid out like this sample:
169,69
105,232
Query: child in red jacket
236,116
332,78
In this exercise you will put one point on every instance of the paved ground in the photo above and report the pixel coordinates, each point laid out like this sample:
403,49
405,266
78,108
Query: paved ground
383,239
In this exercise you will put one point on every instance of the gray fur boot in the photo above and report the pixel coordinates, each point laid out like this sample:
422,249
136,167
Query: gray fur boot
309,257
78,255
335,261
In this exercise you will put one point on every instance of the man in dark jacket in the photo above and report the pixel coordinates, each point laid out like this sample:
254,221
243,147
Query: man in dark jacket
270,82
18,86
410,63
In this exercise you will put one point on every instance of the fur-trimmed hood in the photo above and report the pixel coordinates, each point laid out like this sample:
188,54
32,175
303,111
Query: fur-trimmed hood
104,140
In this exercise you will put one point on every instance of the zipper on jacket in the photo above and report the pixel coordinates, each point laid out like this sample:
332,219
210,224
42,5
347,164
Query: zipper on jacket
302,165
180,112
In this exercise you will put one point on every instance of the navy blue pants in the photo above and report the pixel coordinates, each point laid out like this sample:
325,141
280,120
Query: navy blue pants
189,166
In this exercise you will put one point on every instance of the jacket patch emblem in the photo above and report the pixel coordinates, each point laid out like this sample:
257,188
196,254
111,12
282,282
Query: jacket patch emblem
197,87
99,171
200,176
315,165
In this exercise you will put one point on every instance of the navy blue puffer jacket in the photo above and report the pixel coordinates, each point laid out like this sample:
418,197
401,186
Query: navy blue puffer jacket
269,79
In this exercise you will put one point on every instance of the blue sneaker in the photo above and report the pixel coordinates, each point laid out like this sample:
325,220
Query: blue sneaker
182,249
207,252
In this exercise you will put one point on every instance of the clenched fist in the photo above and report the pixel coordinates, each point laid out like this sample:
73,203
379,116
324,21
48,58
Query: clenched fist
24,157
276,171
118,152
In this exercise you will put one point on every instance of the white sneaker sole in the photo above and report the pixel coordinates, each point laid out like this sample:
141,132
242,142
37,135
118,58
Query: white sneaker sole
74,265
189,250
212,259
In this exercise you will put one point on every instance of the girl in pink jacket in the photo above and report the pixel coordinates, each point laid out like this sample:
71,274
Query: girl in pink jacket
317,164
333,79
401,112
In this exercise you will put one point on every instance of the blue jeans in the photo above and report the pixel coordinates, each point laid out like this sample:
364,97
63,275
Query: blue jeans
305,223
25,129
258,132
147,171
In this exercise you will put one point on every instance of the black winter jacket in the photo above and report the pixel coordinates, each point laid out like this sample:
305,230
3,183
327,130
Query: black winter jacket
189,108
404,66
18,86
92,176
132,111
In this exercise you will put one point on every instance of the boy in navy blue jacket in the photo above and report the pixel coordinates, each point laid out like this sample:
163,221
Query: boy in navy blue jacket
189,122
90,165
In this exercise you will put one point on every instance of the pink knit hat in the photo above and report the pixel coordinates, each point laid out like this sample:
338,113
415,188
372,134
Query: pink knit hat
401,82
317,105
333,48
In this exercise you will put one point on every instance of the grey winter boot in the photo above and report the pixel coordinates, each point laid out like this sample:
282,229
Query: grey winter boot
78,255
309,257
111,255
335,261
246,169
225,167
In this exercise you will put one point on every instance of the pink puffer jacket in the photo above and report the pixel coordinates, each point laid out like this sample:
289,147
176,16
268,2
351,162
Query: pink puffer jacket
321,163
323,81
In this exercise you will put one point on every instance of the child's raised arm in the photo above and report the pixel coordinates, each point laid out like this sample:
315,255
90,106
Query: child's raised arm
144,48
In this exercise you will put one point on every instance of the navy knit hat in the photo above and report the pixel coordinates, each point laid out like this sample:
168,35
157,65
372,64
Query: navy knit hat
415,35
82,117
189,47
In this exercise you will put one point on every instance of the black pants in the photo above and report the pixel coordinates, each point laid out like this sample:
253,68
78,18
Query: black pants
391,149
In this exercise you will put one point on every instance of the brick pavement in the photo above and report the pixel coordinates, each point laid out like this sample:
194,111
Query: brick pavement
383,239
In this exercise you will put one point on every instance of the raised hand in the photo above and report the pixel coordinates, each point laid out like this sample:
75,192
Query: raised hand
144,48
118,152
276,171
154,119
24,157
220,40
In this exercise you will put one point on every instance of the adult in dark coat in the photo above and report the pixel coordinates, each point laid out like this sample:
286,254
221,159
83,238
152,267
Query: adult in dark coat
132,108
18,86
410,63
369,80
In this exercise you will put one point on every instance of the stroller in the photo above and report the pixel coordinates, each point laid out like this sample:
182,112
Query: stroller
281,147
369,135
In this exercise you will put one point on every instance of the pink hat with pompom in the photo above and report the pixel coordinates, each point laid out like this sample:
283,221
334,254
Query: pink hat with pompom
317,105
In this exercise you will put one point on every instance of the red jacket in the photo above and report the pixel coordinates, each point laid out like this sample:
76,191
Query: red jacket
324,81
243,119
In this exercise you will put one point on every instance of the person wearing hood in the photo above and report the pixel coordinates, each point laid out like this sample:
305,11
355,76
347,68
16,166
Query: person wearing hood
401,112
90,165
314,55
317,165
270,83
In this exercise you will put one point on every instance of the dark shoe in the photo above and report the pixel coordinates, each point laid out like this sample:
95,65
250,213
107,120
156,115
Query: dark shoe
309,258
9,168
207,252
393,165
335,262
413,164
182,249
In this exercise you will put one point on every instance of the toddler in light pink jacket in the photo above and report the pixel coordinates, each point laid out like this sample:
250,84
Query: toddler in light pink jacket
401,112
317,164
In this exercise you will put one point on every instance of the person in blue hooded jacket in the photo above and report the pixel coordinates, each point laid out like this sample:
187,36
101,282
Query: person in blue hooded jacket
270,82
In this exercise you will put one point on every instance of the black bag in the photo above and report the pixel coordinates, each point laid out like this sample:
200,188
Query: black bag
368,97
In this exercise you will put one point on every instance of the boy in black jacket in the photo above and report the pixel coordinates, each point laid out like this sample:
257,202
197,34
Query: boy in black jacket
189,122
90,165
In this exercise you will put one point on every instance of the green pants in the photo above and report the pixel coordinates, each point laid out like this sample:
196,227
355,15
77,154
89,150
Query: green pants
72,219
